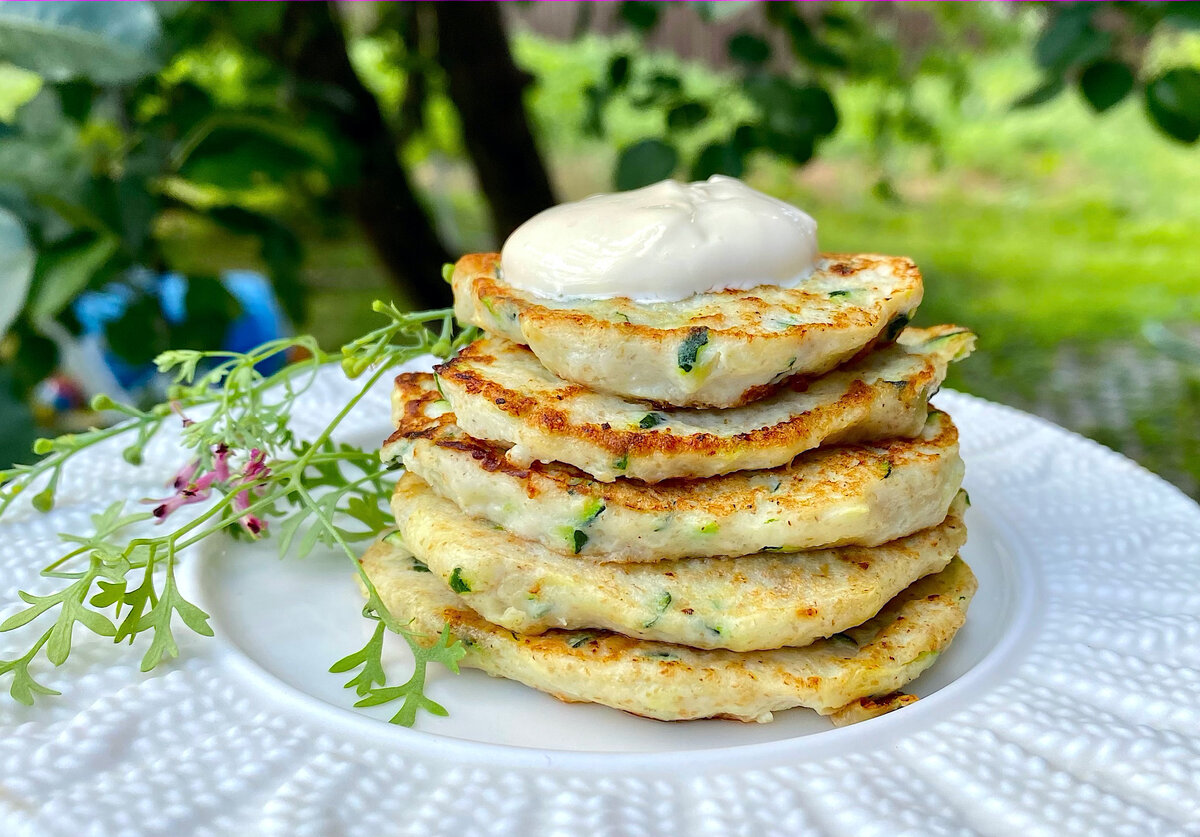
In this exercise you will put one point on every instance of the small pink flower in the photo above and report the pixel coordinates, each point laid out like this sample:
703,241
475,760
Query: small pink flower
205,483
192,489
184,475
167,506
254,525
184,497
241,500
256,468
221,462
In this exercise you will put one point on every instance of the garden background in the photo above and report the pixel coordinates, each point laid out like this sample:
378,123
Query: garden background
1039,162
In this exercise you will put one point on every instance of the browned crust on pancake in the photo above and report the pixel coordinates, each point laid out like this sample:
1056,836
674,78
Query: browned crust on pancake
861,462
933,609
873,706
638,442
477,273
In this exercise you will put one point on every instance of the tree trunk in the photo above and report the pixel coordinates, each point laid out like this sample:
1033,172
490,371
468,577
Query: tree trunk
377,190
486,88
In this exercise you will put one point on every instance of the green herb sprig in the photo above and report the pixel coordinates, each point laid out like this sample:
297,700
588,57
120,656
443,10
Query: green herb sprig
248,469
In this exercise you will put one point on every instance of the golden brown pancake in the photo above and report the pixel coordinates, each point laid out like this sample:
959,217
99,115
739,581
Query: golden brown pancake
719,349
674,682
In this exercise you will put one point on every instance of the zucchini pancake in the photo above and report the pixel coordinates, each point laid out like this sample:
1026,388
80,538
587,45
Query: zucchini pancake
499,391
710,350
863,494
676,682
752,602
689,471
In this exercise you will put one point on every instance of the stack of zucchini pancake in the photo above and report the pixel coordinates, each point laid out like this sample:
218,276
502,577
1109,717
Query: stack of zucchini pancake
723,506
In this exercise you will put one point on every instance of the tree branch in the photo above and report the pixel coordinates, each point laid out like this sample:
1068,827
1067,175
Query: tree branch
375,187
486,87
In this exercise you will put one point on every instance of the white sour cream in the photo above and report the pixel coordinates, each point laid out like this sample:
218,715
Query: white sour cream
662,242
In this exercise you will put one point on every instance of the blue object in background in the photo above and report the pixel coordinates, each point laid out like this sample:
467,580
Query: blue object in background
261,319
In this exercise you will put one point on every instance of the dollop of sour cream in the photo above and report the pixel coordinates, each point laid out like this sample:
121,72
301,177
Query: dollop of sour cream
662,242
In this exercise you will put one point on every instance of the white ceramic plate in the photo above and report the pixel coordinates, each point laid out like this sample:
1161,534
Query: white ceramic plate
1067,704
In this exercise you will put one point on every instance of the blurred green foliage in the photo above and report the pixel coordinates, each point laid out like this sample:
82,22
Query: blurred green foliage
1059,235
103,150
1101,49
